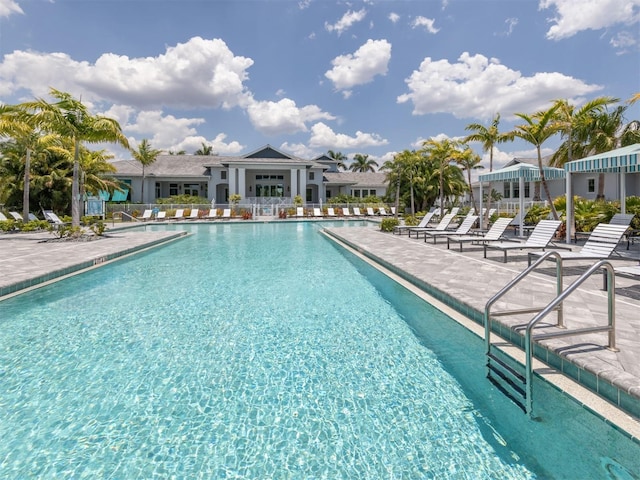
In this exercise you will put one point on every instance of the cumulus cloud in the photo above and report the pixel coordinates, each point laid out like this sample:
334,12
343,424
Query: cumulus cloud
347,20
299,150
284,116
9,7
195,74
361,67
425,22
394,17
478,87
574,16
322,136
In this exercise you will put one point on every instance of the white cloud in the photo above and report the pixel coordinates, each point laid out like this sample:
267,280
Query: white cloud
195,74
284,116
394,17
219,146
166,131
361,67
425,22
623,41
347,20
478,87
9,7
322,136
573,16
299,150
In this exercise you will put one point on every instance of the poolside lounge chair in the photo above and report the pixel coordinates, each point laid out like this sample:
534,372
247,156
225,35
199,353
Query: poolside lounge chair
317,212
213,213
455,210
32,217
226,214
146,215
356,212
370,212
194,214
496,232
2,217
16,216
519,220
599,246
442,226
52,217
331,212
463,229
179,214
539,239
346,212
393,210
300,212
162,215
383,211
423,224
617,219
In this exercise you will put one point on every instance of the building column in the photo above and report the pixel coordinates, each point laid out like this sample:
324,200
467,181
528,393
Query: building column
242,182
294,182
232,181
303,184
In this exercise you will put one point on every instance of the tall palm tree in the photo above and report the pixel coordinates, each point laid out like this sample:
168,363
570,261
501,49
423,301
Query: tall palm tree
361,163
489,137
146,156
441,153
538,128
468,161
204,150
71,118
339,157
403,166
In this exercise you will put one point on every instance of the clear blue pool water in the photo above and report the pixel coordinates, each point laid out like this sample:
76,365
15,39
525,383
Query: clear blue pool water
261,351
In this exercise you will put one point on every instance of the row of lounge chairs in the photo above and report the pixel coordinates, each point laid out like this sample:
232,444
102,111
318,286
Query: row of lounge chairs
331,212
48,215
179,215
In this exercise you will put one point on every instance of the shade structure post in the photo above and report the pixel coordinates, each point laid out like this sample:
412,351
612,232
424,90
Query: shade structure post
521,204
481,202
569,202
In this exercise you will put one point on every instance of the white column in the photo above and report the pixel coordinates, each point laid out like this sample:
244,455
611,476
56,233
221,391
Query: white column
232,181
521,193
623,190
303,184
242,188
481,205
569,202
294,182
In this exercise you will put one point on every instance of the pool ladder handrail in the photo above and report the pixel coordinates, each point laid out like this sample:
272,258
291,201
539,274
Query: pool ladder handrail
557,305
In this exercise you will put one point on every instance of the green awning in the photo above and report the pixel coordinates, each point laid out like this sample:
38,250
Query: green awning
622,159
530,173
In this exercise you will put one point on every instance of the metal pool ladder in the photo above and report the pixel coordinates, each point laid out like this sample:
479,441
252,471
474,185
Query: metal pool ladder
509,376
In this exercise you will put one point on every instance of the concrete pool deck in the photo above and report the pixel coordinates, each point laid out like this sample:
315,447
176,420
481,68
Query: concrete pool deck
464,281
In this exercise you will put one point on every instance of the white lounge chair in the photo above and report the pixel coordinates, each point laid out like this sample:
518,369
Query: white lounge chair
16,216
370,212
2,217
161,215
599,246
52,217
146,215
539,239
213,213
179,214
317,212
393,210
423,224
462,229
226,214
346,212
331,212
356,212
193,215
383,211
496,232
300,212
441,226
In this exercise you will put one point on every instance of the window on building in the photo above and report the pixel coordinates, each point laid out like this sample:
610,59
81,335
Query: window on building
309,195
158,190
173,189
356,193
506,190
516,190
591,185
223,175
372,193
527,191
192,189
328,193
312,175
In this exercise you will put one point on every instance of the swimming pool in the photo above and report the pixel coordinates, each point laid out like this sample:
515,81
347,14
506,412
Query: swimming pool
263,351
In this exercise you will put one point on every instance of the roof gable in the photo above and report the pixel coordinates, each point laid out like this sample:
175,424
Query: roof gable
268,152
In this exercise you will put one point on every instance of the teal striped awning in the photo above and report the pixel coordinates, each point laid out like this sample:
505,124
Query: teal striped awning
530,173
622,159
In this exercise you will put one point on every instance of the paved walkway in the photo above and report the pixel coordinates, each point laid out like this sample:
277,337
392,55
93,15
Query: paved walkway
466,277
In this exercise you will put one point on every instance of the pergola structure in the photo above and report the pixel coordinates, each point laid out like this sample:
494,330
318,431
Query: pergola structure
523,172
621,161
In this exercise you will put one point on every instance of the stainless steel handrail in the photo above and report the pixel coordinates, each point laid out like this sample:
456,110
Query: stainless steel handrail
558,300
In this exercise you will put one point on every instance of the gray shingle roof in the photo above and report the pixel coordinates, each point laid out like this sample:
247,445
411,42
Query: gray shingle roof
360,179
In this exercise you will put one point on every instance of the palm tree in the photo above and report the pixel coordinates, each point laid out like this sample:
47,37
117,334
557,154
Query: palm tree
96,169
70,118
489,137
146,156
361,163
536,130
179,152
575,125
403,166
440,153
339,157
469,160
204,150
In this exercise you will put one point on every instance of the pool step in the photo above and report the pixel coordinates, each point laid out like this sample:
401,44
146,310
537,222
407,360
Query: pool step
505,375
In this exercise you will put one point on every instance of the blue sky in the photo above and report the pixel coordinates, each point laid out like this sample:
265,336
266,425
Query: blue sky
372,77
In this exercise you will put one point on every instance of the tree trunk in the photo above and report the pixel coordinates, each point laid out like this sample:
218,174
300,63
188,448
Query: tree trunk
75,187
543,180
600,195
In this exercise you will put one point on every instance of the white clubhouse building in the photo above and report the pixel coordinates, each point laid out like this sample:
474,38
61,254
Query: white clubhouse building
264,176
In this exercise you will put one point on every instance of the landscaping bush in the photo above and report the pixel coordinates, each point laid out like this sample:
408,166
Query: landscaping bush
388,224
411,221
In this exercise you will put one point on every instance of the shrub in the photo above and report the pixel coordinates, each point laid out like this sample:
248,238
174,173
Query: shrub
411,221
388,224
98,228
7,225
34,225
